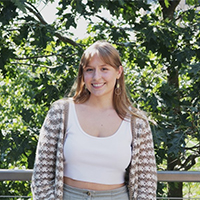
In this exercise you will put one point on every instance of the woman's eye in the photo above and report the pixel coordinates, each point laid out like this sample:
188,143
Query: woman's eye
104,69
88,70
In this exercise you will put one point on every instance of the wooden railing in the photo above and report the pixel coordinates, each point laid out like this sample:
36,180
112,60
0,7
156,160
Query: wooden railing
163,176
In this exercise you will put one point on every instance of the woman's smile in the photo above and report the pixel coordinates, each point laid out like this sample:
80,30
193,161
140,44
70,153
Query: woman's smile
98,85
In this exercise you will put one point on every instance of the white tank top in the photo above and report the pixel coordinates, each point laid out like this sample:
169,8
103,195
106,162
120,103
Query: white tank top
93,159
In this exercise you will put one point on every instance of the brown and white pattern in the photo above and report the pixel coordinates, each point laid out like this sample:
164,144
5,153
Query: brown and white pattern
47,179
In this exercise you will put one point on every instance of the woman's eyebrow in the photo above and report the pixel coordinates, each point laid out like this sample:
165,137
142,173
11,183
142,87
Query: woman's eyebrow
99,65
88,66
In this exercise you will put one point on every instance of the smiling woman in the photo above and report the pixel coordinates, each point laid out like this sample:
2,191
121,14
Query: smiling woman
96,144
105,67
100,78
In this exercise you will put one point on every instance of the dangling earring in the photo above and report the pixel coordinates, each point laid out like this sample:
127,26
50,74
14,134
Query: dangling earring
86,91
117,88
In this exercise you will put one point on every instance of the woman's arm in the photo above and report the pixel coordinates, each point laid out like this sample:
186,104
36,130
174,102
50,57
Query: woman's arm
45,174
143,171
147,171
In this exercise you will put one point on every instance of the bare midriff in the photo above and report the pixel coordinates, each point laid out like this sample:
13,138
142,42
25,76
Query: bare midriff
90,186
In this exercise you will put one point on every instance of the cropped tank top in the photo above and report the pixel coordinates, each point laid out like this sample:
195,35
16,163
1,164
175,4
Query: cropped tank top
93,159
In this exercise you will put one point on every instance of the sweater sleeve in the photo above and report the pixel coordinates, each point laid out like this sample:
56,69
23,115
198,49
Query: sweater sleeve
147,172
143,172
48,156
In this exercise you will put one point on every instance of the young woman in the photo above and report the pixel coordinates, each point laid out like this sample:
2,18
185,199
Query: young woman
96,145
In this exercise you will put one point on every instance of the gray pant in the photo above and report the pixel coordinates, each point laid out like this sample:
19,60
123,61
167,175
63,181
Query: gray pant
71,193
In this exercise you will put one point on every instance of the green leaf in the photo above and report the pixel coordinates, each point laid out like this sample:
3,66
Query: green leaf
8,12
167,4
195,68
20,4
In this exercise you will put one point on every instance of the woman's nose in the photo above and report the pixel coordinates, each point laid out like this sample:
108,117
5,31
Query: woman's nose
97,74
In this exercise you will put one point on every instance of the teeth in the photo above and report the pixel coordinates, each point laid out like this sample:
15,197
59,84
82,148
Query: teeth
97,85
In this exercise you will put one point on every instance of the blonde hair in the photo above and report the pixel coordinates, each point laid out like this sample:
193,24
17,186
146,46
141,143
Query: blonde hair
110,56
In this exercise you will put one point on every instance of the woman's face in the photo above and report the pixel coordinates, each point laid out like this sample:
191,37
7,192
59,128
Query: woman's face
100,78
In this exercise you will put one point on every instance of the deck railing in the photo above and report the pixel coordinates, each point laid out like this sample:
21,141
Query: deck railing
163,176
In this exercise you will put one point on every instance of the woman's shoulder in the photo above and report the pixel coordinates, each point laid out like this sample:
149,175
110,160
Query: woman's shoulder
61,102
142,118
138,114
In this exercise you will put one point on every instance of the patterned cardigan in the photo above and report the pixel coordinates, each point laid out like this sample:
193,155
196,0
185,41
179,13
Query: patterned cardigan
47,179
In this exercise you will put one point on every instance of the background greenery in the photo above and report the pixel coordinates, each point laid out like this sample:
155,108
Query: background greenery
160,50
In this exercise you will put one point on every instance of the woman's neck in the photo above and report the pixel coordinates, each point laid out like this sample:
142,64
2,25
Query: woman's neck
100,103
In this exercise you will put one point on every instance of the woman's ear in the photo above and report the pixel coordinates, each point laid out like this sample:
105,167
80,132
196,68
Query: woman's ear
120,70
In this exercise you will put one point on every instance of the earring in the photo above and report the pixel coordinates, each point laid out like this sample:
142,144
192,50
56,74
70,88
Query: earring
118,89
86,91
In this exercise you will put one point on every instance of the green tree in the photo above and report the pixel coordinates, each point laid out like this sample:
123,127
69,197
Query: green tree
160,52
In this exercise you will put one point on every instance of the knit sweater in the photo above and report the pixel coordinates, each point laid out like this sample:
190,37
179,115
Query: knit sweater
47,179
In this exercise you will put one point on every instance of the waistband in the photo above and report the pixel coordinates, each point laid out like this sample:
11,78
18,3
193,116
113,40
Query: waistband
101,193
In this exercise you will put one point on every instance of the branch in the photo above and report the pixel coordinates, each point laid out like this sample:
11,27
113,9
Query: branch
36,13
189,162
112,25
192,148
45,56
105,20
41,19
34,57
65,39
33,65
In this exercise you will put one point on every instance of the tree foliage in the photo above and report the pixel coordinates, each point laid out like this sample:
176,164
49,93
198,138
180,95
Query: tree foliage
160,53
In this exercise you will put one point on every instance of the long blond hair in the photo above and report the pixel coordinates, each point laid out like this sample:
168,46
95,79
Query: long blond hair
110,56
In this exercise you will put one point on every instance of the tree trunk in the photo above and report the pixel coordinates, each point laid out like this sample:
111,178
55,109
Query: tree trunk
168,11
174,188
